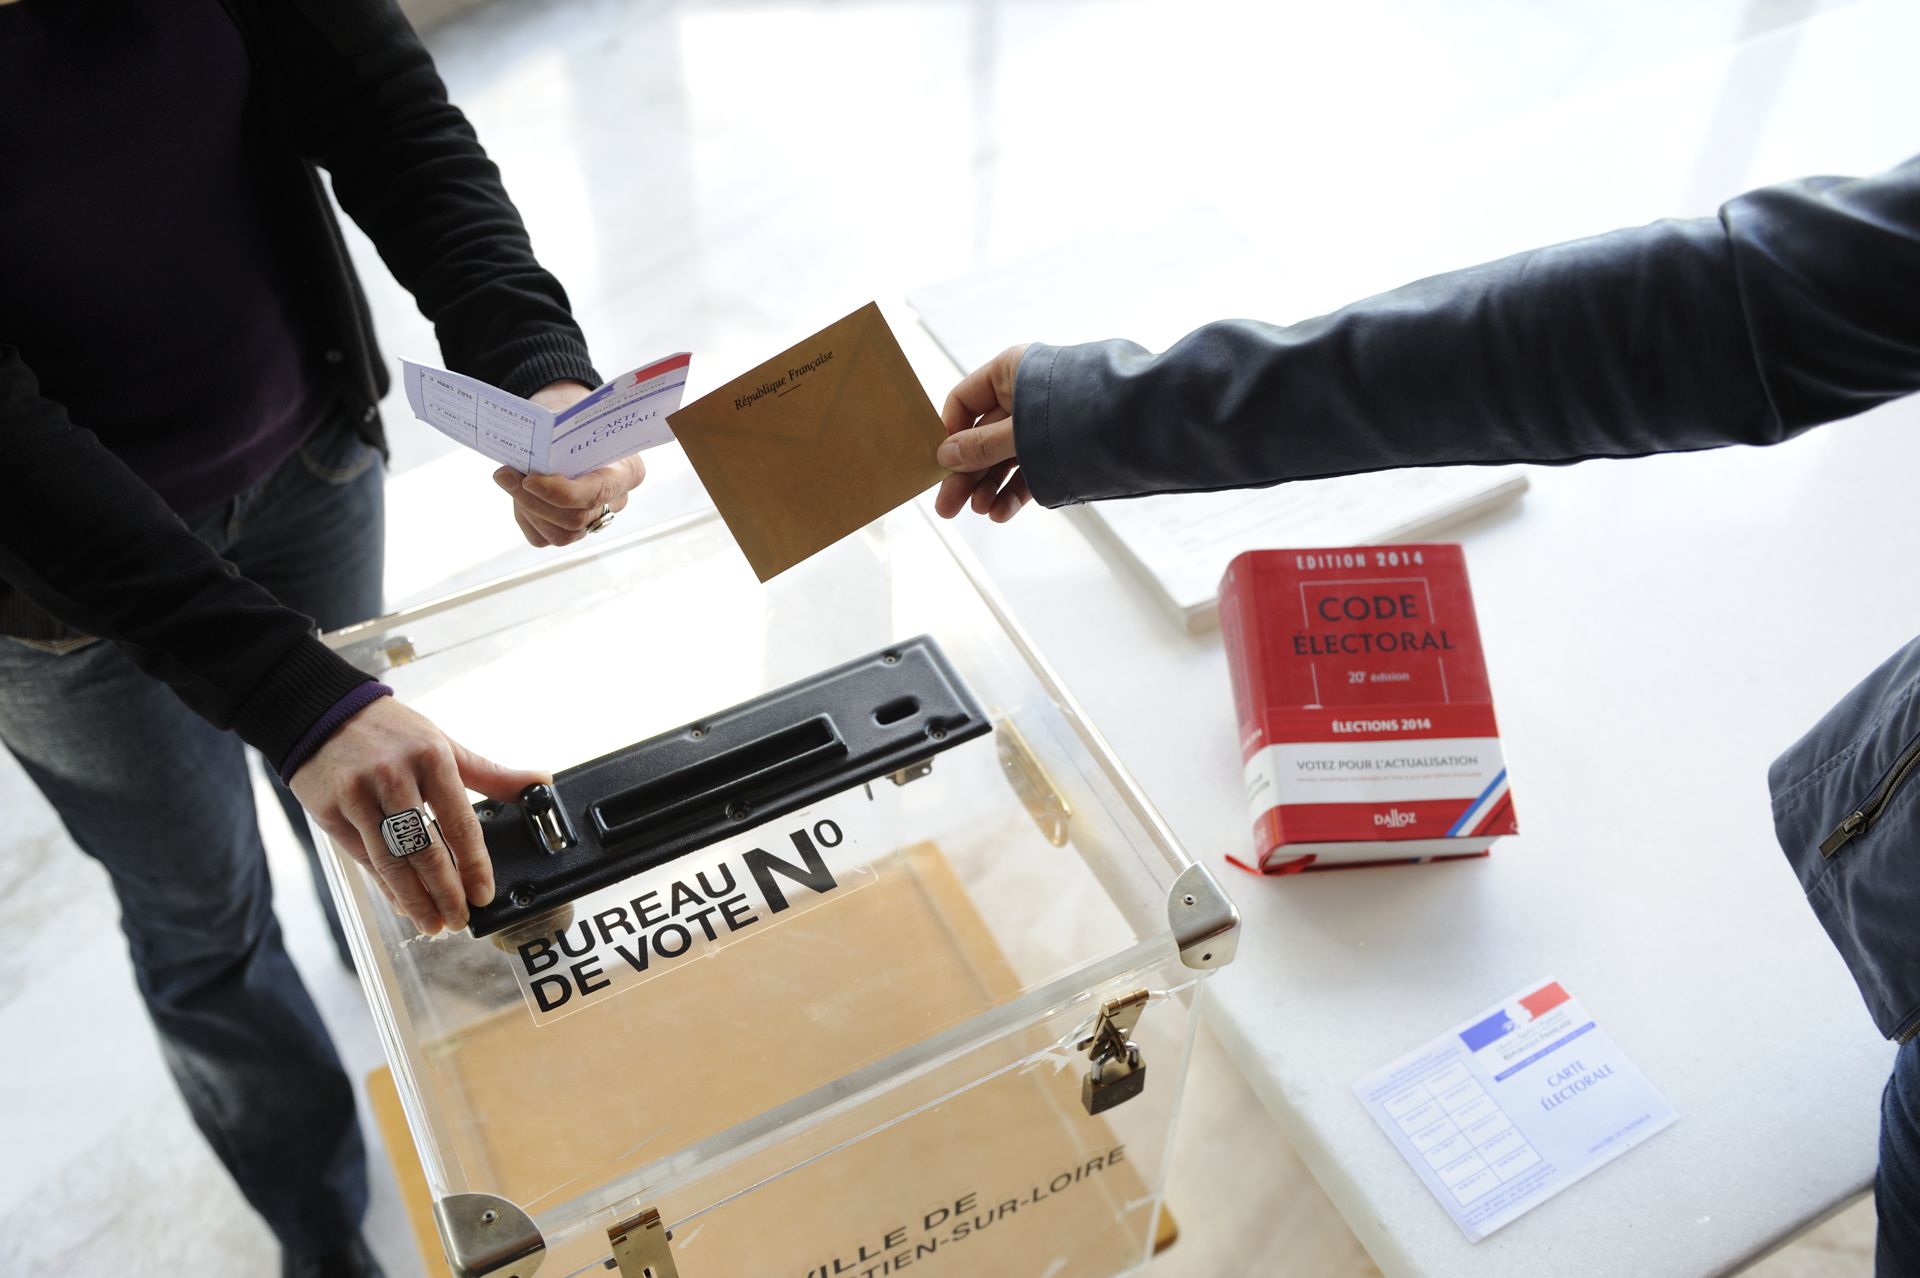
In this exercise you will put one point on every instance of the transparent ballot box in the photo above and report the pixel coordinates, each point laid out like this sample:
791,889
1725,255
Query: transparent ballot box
841,945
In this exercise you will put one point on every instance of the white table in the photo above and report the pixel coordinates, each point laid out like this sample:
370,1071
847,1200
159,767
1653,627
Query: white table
1656,631
1648,663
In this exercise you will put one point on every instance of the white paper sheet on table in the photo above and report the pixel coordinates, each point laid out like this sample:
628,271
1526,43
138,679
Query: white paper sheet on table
1154,287
1507,1109
1183,542
622,416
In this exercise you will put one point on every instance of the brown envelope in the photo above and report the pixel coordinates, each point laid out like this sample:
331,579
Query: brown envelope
817,442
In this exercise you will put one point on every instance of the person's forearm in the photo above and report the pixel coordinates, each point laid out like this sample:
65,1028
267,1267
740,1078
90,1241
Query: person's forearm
83,537
364,102
1784,312
1543,357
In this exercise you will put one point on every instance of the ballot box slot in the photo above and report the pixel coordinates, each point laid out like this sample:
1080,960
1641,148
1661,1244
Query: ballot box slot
886,714
789,752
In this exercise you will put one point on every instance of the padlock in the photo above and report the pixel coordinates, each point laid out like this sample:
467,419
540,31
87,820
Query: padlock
1113,1082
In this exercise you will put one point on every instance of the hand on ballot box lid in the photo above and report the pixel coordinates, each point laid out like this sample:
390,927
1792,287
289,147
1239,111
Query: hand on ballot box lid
386,761
979,448
553,510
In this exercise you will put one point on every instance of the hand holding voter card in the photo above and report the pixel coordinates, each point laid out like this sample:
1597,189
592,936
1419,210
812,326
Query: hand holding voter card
554,510
569,454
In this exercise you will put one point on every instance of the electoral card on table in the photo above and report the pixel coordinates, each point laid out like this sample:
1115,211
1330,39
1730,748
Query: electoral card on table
1504,1111
622,416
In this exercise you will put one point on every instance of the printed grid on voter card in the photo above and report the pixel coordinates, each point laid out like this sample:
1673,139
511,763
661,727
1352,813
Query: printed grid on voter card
450,406
1471,1144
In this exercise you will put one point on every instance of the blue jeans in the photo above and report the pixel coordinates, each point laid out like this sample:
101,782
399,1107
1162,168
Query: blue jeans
162,800
1896,1190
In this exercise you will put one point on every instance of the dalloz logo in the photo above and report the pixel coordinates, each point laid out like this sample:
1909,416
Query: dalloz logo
1394,819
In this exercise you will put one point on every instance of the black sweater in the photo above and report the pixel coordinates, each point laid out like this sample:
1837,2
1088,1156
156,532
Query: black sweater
174,335
86,545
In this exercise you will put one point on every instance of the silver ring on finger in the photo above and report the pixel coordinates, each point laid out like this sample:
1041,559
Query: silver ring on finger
408,832
601,520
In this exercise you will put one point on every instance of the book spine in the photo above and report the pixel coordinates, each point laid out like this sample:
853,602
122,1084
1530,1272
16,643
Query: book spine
1233,634
1252,694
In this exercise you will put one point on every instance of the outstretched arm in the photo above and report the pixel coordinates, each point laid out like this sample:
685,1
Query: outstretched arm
1791,308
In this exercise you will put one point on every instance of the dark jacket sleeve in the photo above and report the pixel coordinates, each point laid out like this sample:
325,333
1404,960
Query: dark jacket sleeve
1795,306
86,539
363,101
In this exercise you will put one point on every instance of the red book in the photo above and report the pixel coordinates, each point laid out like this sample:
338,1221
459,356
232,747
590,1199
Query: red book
1366,724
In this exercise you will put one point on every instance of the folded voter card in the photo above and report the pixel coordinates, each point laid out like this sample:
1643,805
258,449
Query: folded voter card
623,416
1513,1106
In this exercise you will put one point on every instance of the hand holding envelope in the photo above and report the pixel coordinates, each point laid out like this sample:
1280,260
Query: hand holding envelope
980,451
814,444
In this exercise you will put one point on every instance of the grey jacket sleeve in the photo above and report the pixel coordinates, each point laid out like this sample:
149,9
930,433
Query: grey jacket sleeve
1797,305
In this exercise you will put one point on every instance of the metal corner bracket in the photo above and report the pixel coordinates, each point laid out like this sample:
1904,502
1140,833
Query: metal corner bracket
486,1236
1206,925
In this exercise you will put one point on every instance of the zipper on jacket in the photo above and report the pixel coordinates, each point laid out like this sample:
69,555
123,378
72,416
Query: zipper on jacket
1908,1032
1861,819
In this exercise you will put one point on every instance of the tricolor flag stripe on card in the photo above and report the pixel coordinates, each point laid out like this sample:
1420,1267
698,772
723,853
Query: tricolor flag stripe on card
1502,1023
1481,808
1491,1030
1544,999
668,364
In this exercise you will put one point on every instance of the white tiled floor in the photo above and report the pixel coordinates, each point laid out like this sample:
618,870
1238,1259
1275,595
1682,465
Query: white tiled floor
726,177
